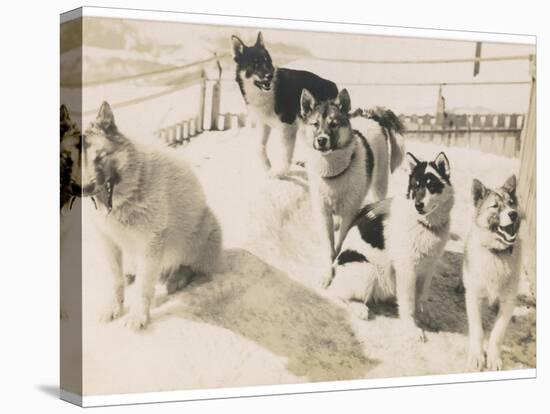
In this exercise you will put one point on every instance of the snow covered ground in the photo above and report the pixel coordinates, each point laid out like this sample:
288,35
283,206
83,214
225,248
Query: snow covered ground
264,320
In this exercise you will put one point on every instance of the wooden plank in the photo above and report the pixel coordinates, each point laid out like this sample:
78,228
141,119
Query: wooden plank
192,127
185,130
527,191
179,137
202,102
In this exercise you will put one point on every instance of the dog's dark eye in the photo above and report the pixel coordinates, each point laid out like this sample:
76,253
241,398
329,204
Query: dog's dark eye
333,124
434,187
315,124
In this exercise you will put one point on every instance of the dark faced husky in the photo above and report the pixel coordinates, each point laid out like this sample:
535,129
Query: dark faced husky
394,245
341,164
151,215
491,267
69,159
272,96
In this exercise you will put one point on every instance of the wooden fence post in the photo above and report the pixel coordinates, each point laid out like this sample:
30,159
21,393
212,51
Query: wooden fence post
202,101
527,185
216,104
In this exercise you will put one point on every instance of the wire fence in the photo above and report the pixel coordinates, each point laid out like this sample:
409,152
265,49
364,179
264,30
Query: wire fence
209,115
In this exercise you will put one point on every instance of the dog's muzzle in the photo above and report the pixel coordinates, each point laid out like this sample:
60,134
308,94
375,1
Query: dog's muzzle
321,143
508,233
89,190
264,83
419,206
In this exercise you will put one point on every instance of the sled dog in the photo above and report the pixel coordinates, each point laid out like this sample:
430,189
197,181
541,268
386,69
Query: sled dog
340,164
394,245
272,96
491,267
151,214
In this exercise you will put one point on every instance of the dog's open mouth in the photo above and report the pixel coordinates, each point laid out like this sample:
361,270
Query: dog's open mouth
264,85
507,233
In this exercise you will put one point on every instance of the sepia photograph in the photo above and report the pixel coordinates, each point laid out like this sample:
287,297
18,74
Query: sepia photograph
243,205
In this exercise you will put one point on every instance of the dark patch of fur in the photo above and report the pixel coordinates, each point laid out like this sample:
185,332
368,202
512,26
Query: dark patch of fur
350,256
419,181
289,83
369,167
288,90
371,225
386,118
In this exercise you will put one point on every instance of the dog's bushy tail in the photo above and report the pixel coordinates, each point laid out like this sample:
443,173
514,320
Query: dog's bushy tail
387,119
374,210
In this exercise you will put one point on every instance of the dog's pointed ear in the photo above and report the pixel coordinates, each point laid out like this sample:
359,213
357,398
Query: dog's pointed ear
65,117
105,118
238,47
65,120
343,101
443,166
260,40
510,185
412,161
307,103
479,191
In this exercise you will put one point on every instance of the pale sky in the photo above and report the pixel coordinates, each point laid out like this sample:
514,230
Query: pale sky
509,98
200,41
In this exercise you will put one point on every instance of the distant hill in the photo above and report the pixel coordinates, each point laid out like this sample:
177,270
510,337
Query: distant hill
116,48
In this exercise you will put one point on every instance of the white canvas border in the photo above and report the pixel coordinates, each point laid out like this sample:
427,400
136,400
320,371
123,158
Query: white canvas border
290,24
285,389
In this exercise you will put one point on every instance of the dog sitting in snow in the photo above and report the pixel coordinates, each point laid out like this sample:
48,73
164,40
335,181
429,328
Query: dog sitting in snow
341,164
151,215
394,245
491,267
272,96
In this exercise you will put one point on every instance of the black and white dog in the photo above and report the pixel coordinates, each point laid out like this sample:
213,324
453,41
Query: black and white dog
272,96
394,245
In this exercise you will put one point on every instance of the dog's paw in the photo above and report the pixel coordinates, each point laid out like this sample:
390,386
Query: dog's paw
112,311
360,310
326,280
412,331
277,174
476,360
177,281
419,335
137,320
494,361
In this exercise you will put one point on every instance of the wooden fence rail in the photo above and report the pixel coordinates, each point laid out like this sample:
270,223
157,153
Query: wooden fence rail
495,133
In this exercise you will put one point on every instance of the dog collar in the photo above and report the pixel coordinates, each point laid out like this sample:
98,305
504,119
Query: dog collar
434,229
343,171
336,163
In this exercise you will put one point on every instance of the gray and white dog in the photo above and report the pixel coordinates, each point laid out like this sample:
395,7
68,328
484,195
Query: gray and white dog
491,267
343,166
151,214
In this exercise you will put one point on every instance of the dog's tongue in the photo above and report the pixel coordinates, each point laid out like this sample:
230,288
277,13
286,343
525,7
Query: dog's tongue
509,229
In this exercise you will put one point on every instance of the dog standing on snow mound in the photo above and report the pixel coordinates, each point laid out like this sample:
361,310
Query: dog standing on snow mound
272,96
394,245
491,267
343,166
151,214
